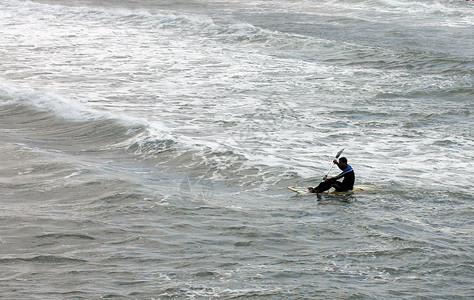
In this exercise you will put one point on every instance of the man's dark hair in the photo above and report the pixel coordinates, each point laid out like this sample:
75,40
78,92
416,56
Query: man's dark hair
343,159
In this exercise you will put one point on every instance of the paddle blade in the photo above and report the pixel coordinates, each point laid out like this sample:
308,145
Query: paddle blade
339,153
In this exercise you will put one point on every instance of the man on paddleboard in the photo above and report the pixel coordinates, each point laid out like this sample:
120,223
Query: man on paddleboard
347,175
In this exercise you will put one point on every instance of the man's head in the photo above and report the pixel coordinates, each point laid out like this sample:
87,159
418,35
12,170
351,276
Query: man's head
343,162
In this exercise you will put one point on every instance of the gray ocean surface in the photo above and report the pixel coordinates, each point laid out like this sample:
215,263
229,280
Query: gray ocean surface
146,147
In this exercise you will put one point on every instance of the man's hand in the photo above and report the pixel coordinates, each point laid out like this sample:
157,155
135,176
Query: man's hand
335,161
325,178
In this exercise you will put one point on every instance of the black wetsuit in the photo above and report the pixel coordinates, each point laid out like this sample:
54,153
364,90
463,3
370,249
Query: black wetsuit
347,183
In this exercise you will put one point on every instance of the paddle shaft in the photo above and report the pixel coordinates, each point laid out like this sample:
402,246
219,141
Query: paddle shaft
335,157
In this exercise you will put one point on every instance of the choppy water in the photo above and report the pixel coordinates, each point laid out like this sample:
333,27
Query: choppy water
146,147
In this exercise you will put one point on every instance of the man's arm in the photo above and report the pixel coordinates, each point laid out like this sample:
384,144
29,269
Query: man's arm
325,178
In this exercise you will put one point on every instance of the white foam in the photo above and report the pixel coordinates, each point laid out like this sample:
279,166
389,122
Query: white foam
232,94
61,106
74,110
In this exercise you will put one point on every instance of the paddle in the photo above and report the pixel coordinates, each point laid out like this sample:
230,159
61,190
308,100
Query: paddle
337,156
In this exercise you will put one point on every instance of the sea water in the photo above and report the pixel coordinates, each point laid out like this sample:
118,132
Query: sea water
146,147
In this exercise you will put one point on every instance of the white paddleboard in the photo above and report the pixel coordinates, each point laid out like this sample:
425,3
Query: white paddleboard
357,189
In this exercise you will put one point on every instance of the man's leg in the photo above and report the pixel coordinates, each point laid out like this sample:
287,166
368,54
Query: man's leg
339,187
323,186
